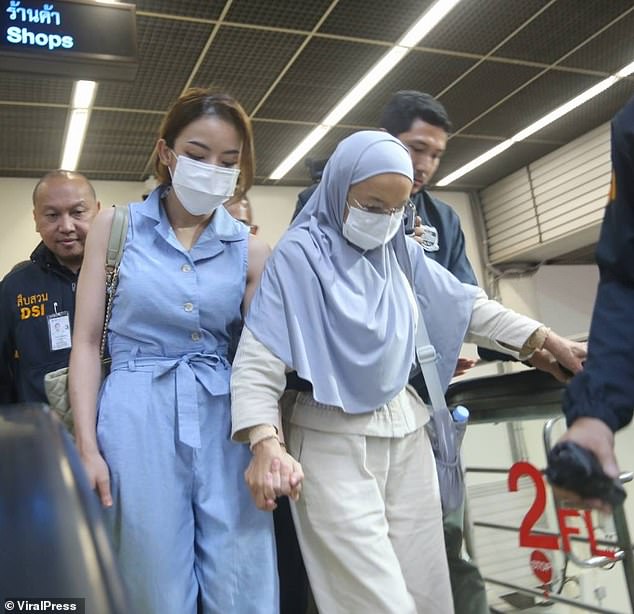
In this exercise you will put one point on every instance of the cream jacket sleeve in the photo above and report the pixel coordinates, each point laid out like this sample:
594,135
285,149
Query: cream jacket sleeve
494,326
258,380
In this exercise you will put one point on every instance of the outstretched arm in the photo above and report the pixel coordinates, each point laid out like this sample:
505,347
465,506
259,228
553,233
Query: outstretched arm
85,366
493,325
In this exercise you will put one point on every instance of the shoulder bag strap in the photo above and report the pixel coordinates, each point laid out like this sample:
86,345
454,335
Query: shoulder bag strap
114,253
426,354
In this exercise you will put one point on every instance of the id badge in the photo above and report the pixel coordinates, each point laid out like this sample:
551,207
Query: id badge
429,239
59,330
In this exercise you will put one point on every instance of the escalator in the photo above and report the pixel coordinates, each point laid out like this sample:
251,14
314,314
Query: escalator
53,543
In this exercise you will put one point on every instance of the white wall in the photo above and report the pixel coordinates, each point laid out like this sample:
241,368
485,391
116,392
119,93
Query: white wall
272,208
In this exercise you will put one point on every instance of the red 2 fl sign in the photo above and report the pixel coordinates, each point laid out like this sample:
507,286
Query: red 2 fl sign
530,539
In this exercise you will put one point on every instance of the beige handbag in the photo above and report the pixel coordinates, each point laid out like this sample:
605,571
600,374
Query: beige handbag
56,382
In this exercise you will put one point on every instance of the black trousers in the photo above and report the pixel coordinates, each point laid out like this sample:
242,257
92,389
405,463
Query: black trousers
290,565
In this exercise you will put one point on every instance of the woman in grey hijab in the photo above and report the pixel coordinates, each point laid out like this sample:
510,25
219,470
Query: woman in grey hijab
338,303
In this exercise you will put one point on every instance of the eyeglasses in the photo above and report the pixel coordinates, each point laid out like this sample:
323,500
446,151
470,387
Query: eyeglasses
377,208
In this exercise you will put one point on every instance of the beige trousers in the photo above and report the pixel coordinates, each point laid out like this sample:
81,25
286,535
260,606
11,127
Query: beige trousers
369,523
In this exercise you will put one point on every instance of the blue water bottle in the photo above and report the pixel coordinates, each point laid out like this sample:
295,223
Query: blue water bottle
460,415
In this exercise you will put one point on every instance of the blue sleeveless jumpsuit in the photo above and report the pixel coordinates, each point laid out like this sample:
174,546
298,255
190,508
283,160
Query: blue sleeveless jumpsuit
184,525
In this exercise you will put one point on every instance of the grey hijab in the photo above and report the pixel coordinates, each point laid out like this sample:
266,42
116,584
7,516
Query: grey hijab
339,316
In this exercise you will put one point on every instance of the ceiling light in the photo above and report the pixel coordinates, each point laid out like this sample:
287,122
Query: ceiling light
81,106
427,22
83,94
300,151
626,71
371,78
564,109
481,159
549,118
74,141
402,47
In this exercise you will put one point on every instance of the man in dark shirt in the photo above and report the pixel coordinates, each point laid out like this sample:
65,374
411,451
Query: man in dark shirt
421,123
37,297
600,399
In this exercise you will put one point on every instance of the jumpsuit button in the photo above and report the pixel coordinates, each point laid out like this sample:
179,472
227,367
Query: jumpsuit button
186,268
188,306
195,336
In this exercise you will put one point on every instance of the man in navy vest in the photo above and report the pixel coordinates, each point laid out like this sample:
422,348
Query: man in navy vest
37,297
600,399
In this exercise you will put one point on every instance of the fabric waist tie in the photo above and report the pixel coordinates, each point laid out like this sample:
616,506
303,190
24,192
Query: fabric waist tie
190,368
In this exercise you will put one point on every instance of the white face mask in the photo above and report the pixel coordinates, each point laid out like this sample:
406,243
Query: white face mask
369,230
201,188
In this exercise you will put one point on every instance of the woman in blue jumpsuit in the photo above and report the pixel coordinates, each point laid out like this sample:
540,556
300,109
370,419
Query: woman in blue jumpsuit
155,439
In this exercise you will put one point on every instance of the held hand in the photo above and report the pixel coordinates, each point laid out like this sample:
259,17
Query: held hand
569,354
594,435
545,361
418,230
271,473
98,476
464,364
290,477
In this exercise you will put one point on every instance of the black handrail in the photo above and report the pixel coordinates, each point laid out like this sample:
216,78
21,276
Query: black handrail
512,396
53,542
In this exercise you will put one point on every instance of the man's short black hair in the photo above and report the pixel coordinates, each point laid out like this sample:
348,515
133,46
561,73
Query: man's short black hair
407,106
315,168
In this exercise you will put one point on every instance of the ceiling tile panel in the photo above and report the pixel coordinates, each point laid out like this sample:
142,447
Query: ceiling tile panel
248,60
595,112
561,27
461,150
17,87
426,72
532,102
32,138
608,52
210,9
263,55
119,142
168,51
371,20
322,151
494,170
324,72
477,27
500,79
273,142
278,14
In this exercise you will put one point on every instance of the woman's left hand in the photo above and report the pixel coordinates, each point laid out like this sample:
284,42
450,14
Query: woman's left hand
272,473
